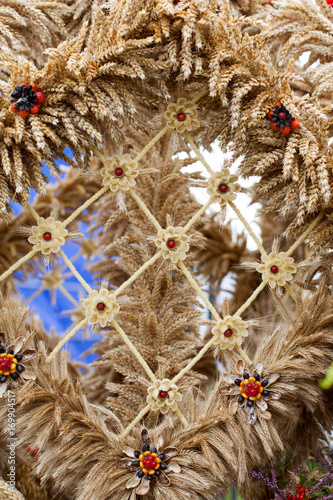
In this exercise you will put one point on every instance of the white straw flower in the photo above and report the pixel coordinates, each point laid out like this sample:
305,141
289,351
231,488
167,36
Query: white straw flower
173,242
276,268
222,187
163,396
100,307
119,173
48,236
182,115
229,332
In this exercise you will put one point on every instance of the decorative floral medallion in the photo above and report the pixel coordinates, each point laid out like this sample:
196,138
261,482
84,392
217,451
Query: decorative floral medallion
11,368
282,119
182,115
163,396
26,98
119,173
173,242
223,187
48,236
250,390
229,332
100,307
276,268
148,464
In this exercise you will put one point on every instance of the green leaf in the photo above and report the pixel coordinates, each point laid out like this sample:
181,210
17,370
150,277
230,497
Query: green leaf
312,464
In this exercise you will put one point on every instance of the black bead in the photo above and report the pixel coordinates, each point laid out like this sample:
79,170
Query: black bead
3,379
250,403
256,376
240,399
2,349
11,351
140,473
237,381
158,473
154,450
246,375
18,357
265,393
163,466
149,477
145,447
20,368
161,456
136,463
137,454
14,375
265,382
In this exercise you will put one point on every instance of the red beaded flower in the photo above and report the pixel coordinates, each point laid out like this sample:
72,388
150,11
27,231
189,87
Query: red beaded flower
26,99
11,368
282,119
149,463
251,391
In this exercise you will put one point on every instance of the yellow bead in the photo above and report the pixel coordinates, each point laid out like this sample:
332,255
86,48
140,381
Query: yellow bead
141,465
145,471
157,466
151,472
146,453
12,367
14,360
245,396
10,356
246,381
258,396
6,373
3,355
158,460
252,398
241,389
154,454
141,457
252,379
261,389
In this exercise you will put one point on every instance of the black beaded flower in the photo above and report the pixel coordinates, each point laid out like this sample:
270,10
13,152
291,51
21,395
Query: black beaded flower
26,98
149,463
282,119
251,391
11,367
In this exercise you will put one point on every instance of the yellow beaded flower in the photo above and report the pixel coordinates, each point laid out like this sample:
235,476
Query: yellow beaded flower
48,236
182,115
276,268
119,173
173,242
163,396
229,332
100,307
222,187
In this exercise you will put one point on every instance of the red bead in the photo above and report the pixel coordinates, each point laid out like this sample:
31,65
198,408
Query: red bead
181,117
100,306
5,364
269,115
228,332
274,126
274,269
247,392
24,113
118,172
282,115
47,236
285,130
171,243
34,87
277,105
23,85
223,188
294,123
329,2
34,109
249,386
163,394
253,392
40,97
13,108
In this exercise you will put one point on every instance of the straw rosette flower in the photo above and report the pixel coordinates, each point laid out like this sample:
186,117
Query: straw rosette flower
182,115
163,396
48,236
100,307
229,332
223,187
173,242
276,268
119,173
